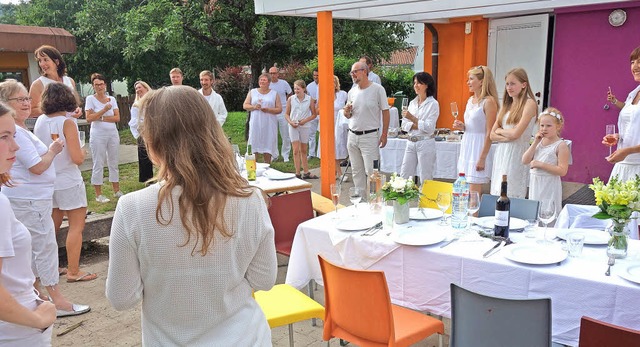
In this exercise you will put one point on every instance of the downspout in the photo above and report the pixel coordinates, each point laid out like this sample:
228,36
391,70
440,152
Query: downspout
434,55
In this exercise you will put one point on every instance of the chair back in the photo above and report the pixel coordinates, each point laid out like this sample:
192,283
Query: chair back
520,208
484,321
357,305
430,190
595,333
287,211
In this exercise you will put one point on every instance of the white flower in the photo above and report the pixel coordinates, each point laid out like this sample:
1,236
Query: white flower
398,184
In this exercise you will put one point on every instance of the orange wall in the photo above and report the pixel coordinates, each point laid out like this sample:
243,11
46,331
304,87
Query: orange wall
458,52
14,60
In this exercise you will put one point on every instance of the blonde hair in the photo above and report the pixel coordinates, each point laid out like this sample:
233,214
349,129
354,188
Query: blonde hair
485,75
5,110
176,70
301,84
136,101
10,87
336,83
555,114
192,152
207,73
515,110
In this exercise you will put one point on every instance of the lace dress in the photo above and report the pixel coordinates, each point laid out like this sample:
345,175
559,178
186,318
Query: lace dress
475,130
542,184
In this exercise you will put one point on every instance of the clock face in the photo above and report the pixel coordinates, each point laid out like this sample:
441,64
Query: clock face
617,17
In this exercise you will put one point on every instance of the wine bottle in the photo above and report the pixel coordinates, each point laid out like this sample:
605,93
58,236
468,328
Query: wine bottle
376,181
503,204
250,161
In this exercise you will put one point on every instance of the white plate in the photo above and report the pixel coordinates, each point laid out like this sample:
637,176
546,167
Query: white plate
262,166
276,175
631,273
514,223
535,254
429,213
591,236
418,237
355,224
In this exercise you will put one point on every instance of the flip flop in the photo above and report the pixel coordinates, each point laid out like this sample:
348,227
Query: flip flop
62,271
75,310
309,176
84,278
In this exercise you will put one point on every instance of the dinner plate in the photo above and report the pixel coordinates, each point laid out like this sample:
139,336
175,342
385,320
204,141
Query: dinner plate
276,175
535,254
356,224
591,236
426,213
631,273
514,223
418,237
262,165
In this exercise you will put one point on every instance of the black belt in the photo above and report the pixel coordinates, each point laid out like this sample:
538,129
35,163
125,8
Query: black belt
363,132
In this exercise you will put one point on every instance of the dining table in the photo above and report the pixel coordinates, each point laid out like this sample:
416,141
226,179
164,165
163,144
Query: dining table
273,181
419,271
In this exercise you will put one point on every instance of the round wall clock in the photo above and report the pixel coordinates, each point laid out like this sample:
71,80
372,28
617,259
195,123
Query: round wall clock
617,17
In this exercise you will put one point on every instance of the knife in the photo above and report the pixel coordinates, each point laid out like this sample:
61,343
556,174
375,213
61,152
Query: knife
489,252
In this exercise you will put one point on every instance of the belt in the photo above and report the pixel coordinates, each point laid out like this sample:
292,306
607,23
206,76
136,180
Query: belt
363,132
416,138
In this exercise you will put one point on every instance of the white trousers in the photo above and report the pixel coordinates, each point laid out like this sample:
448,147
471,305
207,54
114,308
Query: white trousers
105,147
419,160
313,145
363,150
283,128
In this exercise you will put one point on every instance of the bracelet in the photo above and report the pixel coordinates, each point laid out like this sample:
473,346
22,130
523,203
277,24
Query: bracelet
614,101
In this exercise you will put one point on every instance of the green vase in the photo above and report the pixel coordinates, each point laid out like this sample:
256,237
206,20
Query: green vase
617,246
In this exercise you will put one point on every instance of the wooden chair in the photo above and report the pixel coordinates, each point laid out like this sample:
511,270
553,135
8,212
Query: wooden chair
520,208
430,190
595,333
287,211
358,309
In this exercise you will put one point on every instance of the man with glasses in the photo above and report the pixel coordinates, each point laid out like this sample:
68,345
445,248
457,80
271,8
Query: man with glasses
214,99
283,89
312,89
367,132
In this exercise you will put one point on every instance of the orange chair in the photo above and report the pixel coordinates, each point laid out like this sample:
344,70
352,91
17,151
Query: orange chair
358,309
287,211
595,333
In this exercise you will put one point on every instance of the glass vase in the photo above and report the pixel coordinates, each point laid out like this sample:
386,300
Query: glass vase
400,212
617,246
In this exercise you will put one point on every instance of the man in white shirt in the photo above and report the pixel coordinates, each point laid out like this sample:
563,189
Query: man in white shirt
284,91
367,132
176,76
372,75
214,99
312,89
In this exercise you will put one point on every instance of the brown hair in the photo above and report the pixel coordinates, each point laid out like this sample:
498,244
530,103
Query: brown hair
97,76
301,84
5,111
57,97
192,153
485,75
53,54
207,73
635,54
515,110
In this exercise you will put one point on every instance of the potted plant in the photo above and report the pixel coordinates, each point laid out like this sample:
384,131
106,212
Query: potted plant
400,191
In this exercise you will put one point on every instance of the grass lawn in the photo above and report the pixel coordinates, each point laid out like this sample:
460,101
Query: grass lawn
233,127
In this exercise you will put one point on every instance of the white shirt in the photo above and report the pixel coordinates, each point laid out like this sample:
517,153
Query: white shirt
300,109
374,78
67,173
99,127
629,127
312,89
283,89
217,105
27,185
427,113
367,105
135,122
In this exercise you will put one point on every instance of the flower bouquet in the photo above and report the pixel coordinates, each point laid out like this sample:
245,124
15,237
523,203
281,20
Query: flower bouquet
617,201
400,191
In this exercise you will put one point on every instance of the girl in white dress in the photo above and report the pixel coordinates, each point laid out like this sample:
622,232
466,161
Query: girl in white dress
479,117
512,130
265,107
627,155
548,157
301,109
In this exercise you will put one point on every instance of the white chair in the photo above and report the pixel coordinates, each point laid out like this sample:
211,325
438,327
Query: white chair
581,216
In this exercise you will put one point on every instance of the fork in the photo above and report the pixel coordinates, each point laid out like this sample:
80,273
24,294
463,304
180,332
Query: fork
610,262
374,229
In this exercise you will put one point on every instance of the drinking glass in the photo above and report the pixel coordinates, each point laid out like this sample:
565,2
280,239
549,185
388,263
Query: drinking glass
443,200
238,157
81,134
53,130
531,228
546,214
576,243
355,195
611,129
405,104
454,110
473,206
335,197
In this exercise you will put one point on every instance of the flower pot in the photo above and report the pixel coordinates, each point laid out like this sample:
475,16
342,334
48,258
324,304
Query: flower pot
400,212
617,246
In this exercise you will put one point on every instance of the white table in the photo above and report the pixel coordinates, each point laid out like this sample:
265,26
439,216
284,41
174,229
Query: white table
419,277
278,186
394,120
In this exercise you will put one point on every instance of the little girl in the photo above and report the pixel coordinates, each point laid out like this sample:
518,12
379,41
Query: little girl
548,157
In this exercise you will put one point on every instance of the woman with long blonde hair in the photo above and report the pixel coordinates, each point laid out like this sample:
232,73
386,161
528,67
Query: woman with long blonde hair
193,246
145,167
512,130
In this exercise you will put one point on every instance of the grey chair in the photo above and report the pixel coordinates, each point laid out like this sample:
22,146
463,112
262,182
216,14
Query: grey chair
520,208
484,321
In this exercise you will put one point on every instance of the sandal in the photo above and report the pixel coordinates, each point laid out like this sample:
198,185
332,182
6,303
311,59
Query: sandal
310,176
298,176
88,276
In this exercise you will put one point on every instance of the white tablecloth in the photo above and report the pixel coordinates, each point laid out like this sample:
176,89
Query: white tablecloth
394,120
419,277
278,186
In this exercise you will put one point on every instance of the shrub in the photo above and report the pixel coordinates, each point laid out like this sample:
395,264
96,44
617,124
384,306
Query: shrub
398,79
232,84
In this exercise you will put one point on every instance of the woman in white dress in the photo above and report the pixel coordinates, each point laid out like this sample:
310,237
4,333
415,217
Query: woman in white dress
145,166
265,107
103,114
301,109
419,121
479,117
627,155
512,130
341,125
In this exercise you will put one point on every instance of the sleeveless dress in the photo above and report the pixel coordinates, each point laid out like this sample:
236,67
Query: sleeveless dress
263,127
542,184
507,160
475,131
629,129
66,80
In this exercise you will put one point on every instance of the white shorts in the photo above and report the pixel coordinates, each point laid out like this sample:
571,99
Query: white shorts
301,133
70,198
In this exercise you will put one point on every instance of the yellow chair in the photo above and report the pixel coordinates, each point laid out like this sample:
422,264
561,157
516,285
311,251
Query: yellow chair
285,305
430,190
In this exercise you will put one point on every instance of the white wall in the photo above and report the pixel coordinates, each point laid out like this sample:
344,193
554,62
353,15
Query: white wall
417,39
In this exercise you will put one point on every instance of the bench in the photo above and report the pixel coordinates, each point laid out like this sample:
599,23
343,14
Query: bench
322,205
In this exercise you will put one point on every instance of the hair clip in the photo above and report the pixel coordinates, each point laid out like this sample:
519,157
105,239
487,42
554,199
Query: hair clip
552,114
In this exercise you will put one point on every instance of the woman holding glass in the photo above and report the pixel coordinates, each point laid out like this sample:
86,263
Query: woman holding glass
103,114
145,167
627,155
479,117
419,121
265,107
301,109
192,247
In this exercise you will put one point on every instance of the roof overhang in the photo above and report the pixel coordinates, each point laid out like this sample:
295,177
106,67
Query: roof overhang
26,39
420,11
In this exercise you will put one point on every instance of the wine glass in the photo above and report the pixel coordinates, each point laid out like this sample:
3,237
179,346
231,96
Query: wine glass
611,130
443,200
335,197
405,105
81,135
546,214
237,156
454,110
53,130
355,195
473,205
